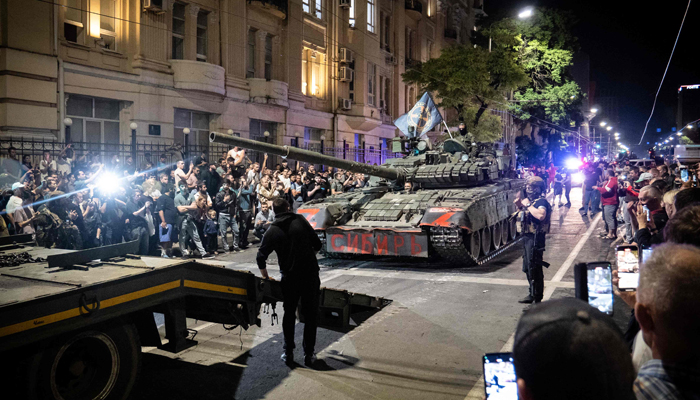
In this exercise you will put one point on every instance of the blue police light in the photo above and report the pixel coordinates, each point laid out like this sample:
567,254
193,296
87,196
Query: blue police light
673,129
658,129
597,146
647,142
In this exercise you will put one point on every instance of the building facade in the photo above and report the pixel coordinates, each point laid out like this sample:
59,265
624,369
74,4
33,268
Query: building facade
290,71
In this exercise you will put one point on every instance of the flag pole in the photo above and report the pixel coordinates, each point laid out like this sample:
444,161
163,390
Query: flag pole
448,129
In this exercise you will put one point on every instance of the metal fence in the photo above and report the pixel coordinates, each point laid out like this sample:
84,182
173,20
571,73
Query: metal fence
34,148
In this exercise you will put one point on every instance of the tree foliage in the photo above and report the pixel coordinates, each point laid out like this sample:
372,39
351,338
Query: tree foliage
685,140
471,80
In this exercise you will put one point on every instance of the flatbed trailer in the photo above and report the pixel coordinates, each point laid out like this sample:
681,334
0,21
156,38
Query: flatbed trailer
72,327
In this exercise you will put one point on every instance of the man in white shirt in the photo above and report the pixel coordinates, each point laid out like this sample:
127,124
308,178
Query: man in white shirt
180,173
64,165
47,165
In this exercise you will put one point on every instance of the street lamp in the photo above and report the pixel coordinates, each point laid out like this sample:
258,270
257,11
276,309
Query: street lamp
186,131
608,128
323,138
603,123
67,122
230,131
690,126
594,110
266,134
526,13
133,127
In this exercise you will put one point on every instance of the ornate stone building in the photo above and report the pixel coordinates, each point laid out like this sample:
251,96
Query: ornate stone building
301,70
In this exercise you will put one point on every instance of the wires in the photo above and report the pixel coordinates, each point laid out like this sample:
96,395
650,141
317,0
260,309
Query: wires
664,76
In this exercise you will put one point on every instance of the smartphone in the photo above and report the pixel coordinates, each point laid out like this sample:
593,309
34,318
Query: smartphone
627,267
684,174
645,254
593,284
500,382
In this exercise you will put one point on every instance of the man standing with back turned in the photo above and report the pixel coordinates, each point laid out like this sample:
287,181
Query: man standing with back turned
296,244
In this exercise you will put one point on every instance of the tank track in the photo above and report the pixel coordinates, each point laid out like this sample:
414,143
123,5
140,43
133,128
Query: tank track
449,244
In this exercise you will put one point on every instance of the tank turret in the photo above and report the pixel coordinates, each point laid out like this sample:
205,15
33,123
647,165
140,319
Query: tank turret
394,174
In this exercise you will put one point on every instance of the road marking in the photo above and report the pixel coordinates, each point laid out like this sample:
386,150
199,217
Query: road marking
477,392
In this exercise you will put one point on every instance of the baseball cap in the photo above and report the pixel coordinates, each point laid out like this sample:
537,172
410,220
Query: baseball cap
564,348
17,185
645,177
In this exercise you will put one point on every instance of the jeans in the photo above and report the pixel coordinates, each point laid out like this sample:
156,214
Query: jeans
260,231
245,218
629,233
141,234
532,255
592,197
567,190
225,222
610,218
306,289
188,231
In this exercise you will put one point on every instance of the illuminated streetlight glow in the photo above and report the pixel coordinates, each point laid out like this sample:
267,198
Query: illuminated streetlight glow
679,133
526,13
603,123
594,110
690,126
609,128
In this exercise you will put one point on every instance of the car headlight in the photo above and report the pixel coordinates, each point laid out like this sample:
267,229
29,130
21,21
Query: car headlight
577,177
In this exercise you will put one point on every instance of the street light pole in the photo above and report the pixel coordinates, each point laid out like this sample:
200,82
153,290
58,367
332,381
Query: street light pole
133,127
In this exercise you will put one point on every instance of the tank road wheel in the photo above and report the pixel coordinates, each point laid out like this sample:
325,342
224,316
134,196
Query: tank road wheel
485,240
497,235
475,244
504,232
512,228
97,363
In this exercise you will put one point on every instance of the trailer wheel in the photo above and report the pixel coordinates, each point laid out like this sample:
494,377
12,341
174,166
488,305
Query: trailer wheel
96,363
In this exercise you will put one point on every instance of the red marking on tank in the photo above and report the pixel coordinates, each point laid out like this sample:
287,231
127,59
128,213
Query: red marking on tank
366,243
416,248
309,212
398,238
382,245
334,246
352,242
441,220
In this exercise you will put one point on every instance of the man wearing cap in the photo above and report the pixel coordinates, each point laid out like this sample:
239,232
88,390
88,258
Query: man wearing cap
566,349
534,215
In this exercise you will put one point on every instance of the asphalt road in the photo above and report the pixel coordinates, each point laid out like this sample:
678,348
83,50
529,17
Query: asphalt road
427,343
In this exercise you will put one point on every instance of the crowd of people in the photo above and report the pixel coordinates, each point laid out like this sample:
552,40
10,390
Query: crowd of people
192,208
566,349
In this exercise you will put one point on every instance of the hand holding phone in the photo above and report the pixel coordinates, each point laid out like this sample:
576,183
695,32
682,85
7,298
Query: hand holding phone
628,267
594,285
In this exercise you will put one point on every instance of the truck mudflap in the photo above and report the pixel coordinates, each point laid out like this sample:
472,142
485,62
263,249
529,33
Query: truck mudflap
446,217
379,242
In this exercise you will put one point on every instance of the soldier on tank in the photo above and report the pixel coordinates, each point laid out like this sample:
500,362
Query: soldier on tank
533,222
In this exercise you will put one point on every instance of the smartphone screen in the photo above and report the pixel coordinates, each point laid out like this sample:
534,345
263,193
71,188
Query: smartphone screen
646,253
627,267
684,174
600,290
500,382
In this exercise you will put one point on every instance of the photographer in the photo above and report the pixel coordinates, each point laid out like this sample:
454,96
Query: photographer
651,217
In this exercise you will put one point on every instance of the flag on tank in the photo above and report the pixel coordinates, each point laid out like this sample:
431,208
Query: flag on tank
420,119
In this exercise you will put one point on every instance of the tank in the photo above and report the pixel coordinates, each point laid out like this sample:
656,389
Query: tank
461,209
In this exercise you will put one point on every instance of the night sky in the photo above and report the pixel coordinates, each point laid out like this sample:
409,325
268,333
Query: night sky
629,44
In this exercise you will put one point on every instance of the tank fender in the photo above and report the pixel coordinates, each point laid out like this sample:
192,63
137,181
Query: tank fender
318,215
445,217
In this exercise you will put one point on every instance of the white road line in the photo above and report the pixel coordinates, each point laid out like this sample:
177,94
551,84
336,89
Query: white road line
477,392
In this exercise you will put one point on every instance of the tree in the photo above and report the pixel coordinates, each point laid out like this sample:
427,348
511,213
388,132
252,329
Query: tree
685,140
471,80
544,47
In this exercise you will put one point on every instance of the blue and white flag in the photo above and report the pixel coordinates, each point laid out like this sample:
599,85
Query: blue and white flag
421,119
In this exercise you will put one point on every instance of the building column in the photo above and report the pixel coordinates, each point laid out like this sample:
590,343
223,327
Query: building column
191,32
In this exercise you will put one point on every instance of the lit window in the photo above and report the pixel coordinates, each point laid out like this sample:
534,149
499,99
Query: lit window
178,44
202,21
352,82
352,13
108,25
371,5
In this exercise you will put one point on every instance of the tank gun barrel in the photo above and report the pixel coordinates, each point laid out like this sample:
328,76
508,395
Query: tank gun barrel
307,156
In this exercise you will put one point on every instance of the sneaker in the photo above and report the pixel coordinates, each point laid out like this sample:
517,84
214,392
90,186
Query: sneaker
287,358
237,250
164,255
207,256
310,359
526,300
567,205
185,253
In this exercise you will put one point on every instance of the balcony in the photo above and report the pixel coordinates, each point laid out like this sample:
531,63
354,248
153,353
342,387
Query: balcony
414,9
268,92
197,75
278,8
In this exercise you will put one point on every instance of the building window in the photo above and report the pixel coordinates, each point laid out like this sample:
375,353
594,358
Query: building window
352,82
305,5
257,129
202,21
352,13
430,48
268,57
313,7
178,31
384,94
73,22
313,77
250,69
385,31
95,121
198,123
319,9
108,24
371,83
409,44
371,7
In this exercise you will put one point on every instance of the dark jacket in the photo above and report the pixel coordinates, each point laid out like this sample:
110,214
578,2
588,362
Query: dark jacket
644,237
295,242
226,207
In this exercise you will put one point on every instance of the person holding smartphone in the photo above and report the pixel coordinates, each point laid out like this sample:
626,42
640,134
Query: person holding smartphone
651,217
534,215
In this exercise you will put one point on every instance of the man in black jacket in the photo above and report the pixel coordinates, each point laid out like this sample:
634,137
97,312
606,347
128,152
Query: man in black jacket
226,205
296,244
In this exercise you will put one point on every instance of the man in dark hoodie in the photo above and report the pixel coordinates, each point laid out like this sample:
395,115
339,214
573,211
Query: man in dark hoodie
296,244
